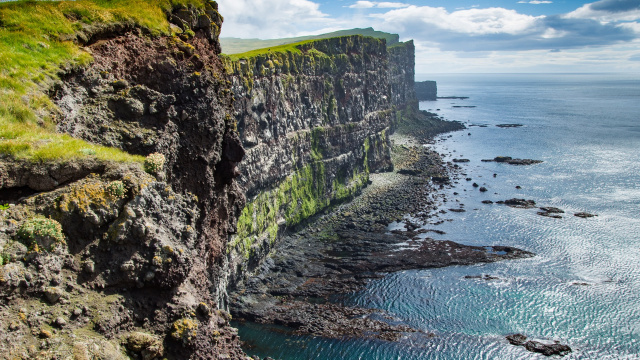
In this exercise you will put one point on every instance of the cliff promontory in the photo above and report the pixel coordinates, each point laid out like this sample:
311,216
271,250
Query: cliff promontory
143,174
106,255
314,119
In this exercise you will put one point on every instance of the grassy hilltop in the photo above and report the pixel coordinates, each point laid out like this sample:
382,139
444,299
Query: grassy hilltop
37,41
237,46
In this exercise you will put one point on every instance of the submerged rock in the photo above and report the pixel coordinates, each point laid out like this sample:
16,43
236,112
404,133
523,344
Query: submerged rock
519,203
584,215
536,346
511,161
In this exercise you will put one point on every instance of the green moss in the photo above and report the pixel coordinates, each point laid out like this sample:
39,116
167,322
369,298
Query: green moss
310,56
318,150
35,43
237,46
40,233
366,148
5,258
300,196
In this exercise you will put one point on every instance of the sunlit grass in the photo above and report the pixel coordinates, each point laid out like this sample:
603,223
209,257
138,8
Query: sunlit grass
237,46
293,48
35,43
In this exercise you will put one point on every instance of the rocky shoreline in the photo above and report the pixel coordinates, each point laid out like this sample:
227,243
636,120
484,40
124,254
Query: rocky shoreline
340,251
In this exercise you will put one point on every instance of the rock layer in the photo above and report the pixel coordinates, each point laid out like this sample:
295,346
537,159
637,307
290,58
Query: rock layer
314,121
138,267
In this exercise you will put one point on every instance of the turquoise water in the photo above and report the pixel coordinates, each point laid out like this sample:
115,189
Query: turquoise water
582,288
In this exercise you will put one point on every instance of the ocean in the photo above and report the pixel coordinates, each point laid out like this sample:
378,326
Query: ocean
583,286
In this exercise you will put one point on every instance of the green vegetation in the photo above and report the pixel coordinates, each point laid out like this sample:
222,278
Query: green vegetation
298,197
322,56
154,163
4,258
285,48
304,193
4,207
35,43
116,189
237,46
40,233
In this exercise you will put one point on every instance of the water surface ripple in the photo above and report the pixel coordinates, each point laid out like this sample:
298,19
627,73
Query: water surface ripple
582,288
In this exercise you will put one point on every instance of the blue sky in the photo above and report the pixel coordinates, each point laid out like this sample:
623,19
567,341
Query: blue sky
466,35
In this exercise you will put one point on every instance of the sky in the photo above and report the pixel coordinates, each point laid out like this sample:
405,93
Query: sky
465,36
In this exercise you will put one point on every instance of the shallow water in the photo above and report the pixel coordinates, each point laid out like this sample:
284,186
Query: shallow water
582,288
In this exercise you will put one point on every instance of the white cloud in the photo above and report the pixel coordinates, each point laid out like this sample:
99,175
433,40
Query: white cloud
472,21
464,40
268,19
375,4
635,26
535,2
392,5
363,5
611,59
606,11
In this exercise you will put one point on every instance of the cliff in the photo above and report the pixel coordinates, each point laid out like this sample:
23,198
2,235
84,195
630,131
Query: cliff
236,46
100,258
127,148
314,119
426,90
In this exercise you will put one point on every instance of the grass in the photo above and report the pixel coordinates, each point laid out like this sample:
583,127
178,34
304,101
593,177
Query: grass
34,45
291,48
232,46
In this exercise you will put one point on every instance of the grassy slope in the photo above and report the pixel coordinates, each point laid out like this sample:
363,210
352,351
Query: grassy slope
237,46
291,47
32,51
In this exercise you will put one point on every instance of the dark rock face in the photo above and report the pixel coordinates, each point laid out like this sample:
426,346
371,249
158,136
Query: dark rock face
169,96
314,124
511,161
142,253
536,346
518,203
584,215
426,90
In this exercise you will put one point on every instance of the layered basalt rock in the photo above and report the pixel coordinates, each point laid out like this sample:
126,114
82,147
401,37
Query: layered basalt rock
138,267
314,119
426,90
142,262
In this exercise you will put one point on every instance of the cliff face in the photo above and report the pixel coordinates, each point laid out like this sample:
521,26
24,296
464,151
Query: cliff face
99,259
127,262
313,120
426,90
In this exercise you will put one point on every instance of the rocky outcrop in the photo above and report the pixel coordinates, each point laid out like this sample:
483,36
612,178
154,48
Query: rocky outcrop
314,121
426,90
99,259
125,261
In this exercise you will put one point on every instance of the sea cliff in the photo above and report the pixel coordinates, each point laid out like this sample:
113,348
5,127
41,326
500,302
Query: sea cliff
314,119
113,256
128,147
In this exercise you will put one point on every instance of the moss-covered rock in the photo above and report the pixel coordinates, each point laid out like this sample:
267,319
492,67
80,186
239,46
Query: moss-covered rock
42,234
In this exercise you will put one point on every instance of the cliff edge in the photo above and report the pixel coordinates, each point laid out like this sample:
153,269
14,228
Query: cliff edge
128,145
107,255
314,118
